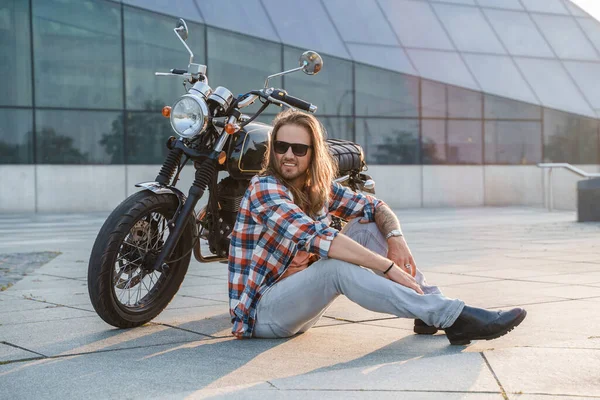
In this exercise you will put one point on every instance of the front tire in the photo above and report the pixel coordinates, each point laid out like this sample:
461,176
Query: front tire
124,289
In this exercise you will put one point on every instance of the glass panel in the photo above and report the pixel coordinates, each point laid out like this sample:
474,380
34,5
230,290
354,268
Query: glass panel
454,72
433,141
305,24
463,103
464,142
246,16
586,76
16,136
385,93
350,22
330,89
513,142
565,37
389,140
79,137
178,8
499,75
469,2
151,46
468,28
393,58
146,137
592,29
518,33
508,4
241,63
433,99
502,108
570,138
547,6
575,10
15,53
415,24
77,45
338,128
552,85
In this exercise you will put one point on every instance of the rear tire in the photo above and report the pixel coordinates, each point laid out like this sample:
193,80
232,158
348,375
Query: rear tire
122,256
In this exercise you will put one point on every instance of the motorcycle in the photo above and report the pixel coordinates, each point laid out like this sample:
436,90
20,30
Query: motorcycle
142,252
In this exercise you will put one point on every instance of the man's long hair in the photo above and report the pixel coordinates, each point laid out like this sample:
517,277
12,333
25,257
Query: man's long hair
322,167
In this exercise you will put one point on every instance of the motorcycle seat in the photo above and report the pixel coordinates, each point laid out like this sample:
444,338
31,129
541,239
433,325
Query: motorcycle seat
349,155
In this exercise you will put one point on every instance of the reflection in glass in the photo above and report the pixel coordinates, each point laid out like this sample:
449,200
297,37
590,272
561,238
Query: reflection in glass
464,142
77,46
433,99
503,108
463,103
151,46
241,63
389,141
513,142
433,141
146,136
381,92
79,137
338,128
330,90
570,138
15,53
16,136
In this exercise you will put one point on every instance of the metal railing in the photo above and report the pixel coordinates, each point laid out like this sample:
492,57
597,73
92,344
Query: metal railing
548,192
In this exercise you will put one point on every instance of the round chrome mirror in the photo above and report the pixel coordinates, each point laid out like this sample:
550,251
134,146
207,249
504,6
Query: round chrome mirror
181,29
311,62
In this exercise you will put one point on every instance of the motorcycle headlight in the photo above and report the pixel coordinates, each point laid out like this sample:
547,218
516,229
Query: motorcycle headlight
189,116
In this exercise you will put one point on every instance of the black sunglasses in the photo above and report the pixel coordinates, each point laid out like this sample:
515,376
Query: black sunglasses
297,148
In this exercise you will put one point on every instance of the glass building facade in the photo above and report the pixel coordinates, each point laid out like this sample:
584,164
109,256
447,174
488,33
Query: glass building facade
412,81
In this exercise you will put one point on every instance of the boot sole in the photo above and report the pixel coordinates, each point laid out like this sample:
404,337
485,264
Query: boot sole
515,323
425,330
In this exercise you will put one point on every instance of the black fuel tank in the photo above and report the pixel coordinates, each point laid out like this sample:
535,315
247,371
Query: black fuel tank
247,149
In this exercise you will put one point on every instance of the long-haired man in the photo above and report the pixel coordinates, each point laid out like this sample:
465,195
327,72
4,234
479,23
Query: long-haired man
286,265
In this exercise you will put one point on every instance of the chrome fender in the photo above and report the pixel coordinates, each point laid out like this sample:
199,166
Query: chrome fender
159,188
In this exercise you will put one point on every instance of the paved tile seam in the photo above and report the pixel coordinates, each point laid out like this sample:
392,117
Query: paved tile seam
389,391
562,300
202,298
502,391
591,285
23,348
85,353
190,331
82,279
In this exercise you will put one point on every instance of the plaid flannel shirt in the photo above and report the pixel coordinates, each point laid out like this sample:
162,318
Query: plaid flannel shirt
269,230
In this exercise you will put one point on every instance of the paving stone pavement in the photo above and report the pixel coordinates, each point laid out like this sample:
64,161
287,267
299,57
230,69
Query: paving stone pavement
53,345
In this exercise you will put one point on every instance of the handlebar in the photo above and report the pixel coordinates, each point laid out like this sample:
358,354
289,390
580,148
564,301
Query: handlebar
178,71
293,101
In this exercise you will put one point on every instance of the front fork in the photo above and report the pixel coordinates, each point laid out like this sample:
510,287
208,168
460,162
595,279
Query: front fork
203,177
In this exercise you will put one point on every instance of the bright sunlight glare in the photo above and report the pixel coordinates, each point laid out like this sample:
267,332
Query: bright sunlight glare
592,7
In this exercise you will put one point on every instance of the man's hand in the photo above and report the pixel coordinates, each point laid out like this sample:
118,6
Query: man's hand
397,275
399,253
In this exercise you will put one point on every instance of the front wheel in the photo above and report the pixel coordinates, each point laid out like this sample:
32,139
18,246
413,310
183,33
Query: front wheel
124,288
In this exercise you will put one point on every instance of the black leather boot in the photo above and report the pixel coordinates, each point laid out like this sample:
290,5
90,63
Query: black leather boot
421,328
480,324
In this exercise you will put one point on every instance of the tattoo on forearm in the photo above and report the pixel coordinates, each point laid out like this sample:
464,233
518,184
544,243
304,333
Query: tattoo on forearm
385,219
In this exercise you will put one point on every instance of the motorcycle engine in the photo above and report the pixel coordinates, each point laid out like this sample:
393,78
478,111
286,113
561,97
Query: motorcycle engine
219,219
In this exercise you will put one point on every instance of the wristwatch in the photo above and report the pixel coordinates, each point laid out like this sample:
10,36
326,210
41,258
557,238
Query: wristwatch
395,232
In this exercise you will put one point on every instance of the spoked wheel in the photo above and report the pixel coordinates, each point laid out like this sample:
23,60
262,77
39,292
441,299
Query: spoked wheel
124,288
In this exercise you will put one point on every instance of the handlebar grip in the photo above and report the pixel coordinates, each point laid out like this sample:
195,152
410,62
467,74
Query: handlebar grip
293,101
179,71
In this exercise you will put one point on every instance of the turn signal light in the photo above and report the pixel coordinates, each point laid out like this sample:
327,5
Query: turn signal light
166,111
222,157
231,128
